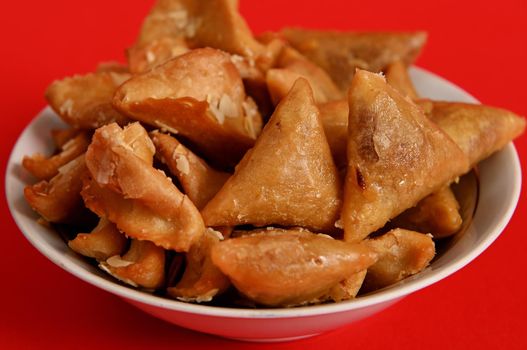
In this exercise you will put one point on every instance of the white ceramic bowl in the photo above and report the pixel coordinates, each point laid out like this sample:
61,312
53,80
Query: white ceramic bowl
499,192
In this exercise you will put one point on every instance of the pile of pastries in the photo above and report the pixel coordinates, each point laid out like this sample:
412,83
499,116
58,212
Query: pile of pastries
290,168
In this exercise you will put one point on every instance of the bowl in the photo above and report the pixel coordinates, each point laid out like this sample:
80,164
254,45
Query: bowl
498,196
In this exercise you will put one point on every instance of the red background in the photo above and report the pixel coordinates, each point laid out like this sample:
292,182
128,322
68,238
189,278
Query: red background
480,46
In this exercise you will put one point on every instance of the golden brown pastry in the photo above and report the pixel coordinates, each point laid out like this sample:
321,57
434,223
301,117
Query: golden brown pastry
142,58
334,116
197,24
340,53
112,66
140,200
288,267
44,168
199,95
437,214
202,280
396,156
397,76
401,253
478,130
102,243
143,265
62,136
290,66
85,101
288,178
59,199
200,182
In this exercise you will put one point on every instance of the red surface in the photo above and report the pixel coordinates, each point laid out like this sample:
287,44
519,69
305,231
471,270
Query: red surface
481,47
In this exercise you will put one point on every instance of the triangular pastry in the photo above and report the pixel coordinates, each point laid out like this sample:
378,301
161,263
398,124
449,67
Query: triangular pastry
174,26
340,53
288,178
478,130
289,267
199,95
396,156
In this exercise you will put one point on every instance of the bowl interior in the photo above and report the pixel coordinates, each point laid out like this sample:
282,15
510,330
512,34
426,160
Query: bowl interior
499,193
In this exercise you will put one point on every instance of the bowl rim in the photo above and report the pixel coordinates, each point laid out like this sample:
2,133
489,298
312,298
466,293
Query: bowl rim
379,297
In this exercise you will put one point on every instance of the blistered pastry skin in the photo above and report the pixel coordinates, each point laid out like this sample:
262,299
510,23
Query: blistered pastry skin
288,178
288,267
341,53
396,156
199,95
478,130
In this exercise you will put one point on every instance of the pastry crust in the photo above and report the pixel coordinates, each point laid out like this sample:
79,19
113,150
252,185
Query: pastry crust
199,95
85,101
478,130
288,178
396,156
200,182
140,200
289,267
341,53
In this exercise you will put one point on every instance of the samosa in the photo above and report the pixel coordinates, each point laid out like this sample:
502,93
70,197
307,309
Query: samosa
341,53
289,267
288,178
199,95
396,156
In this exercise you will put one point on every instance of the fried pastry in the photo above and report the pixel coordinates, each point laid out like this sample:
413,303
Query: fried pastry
397,76
140,200
102,243
59,200
288,267
62,136
348,288
143,265
437,214
198,24
142,58
85,102
200,182
396,156
290,66
44,168
401,253
288,178
112,66
202,280
478,130
199,95
334,117
341,53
